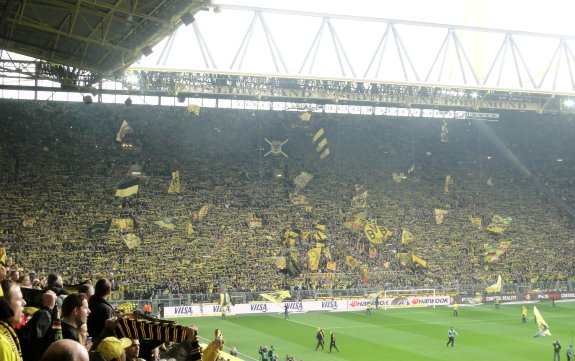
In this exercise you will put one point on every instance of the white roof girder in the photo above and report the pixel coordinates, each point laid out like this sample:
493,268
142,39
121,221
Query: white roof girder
261,41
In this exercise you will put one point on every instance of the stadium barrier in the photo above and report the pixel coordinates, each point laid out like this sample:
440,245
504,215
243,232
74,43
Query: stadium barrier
515,297
342,305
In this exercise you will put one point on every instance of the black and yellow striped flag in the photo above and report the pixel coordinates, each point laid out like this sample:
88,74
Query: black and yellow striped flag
320,142
128,188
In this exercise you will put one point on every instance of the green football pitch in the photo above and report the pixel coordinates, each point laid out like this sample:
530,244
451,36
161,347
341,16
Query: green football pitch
485,334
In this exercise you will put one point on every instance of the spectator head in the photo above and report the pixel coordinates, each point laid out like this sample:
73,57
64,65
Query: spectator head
75,309
12,303
25,281
103,288
14,275
65,350
133,351
87,289
112,348
55,281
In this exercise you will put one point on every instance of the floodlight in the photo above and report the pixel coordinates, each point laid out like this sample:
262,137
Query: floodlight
147,51
188,18
87,99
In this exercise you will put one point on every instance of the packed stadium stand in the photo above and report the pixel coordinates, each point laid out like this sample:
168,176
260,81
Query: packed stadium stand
61,166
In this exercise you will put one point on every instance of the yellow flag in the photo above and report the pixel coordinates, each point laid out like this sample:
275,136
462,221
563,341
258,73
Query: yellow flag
305,116
495,229
327,253
444,132
276,297
475,221
203,212
281,262
495,287
406,236
356,223
364,271
448,182
398,178
125,224
166,225
543,327
331,266
313,256
125,128
29,222
418,260
193,108
351,262
374,234
499,224
372,252
131,240
359,201
175,184
439,213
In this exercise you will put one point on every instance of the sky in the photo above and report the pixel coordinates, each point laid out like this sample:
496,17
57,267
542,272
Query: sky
549,16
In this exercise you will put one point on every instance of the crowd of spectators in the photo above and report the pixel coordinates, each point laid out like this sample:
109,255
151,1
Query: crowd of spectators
60,165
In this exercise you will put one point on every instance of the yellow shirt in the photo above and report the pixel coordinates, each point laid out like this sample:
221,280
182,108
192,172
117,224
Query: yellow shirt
8,346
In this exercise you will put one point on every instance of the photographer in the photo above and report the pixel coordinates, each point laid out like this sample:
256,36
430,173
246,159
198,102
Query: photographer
272,356
263,351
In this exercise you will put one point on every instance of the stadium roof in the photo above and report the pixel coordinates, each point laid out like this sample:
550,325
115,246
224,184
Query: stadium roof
102,36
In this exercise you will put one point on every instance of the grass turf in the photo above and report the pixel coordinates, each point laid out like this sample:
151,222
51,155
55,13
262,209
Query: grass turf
485,334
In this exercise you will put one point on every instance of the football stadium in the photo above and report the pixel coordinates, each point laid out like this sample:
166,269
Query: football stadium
189,180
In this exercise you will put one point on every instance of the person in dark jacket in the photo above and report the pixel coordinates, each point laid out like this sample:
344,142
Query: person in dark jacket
100,308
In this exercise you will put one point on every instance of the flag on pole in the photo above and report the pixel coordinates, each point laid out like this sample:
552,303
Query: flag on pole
193,108
406,236
448,182
495,287
175,184
439,213
225,299
128,188
125,128
305,117
444,132
418,260
543,327
276,297
321,144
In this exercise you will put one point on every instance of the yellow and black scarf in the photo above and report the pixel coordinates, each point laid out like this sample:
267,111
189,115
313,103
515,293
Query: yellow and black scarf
9,333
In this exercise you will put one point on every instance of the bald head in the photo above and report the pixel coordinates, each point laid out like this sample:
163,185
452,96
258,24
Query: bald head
65,350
